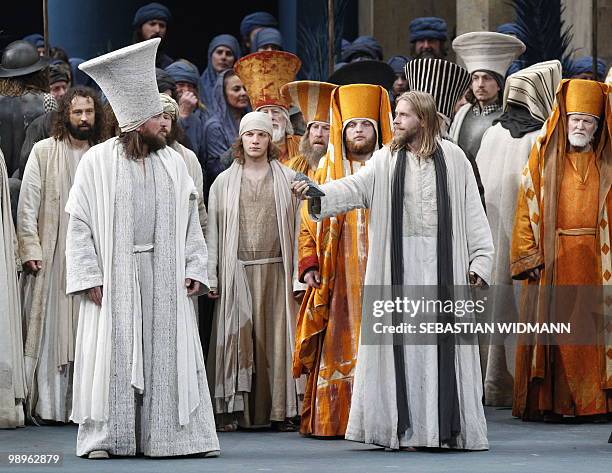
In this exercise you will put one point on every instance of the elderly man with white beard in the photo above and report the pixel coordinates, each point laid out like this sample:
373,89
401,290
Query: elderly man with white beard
264,74
561,237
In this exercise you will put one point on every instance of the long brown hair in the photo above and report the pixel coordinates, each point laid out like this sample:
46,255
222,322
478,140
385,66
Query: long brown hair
17,86
424,106
237,150
62,120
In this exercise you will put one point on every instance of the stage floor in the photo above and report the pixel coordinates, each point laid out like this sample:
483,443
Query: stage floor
515,446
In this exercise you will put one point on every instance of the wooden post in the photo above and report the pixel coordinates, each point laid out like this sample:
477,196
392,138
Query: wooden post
46,25
331,37
594,37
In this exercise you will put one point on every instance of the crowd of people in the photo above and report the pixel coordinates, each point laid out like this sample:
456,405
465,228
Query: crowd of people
186,253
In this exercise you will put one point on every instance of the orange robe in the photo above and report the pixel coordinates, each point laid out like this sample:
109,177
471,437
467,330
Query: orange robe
327,339
572,380
290,148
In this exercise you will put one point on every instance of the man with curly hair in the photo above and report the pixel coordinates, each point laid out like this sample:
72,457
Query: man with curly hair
41,229
250,236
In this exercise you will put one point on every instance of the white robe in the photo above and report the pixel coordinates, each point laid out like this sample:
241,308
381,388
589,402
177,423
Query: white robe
501,160
12,374
92,201
373,415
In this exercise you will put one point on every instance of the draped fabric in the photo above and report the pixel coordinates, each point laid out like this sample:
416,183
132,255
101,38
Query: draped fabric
448,402
518,121
577,193
221,130
209,76
13,386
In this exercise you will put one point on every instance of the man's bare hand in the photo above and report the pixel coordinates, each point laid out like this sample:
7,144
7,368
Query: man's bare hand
476,280
313,278
33,265
299,189
193,286
187,104
213,294
95,295
533,274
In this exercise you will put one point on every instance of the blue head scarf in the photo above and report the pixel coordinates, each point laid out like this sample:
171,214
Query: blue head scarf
182,72
37,40
363,46
585,64
151,11
208,78
267,36
429,27
398,63
256,20
221,111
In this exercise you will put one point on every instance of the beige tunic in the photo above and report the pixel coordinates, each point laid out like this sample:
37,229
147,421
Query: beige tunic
260,250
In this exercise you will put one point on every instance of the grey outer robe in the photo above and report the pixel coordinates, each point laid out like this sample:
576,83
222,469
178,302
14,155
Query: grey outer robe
373,414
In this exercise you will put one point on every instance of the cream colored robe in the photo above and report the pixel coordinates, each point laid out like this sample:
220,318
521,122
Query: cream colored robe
233,373
50,314
195,171
92,201
373,414
12,374
501,160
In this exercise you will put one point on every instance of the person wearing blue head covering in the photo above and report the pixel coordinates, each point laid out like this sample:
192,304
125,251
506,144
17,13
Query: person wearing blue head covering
252,23
513,29
151,21
428,36
230,103
38,41
364,48
398,64
192,113
267,39
223,52
582,68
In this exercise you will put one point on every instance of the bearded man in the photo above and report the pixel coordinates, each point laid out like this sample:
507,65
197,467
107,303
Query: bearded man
139,377
561,237
428,36
263,74
332,261
426,227
151,21
42,225
173,132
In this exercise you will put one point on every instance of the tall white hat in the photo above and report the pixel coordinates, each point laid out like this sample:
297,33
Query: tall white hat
127,78
488,51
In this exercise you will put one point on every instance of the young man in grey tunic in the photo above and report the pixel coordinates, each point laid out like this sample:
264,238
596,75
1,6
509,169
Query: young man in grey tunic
135,250
426,227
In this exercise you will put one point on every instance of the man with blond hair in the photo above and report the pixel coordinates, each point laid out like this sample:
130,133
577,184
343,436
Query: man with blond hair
426,229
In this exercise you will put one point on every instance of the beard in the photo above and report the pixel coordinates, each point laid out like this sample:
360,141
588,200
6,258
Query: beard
81,133
427,54
153,142
312,153
580,140
401,138
278,133
363,147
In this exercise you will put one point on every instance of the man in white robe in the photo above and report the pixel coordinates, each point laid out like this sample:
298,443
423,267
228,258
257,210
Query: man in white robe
250,236
135,251
528,98
434,220
51,315
12,386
